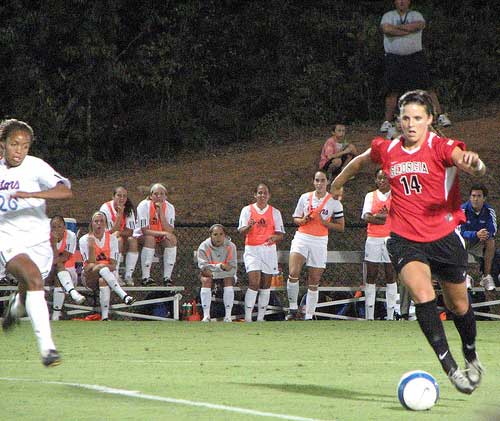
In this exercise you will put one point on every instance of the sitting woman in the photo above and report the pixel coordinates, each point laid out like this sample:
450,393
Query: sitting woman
63,271
156,217
217,261
100,253
121,222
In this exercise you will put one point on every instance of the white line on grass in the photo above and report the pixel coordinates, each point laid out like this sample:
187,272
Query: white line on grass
137,394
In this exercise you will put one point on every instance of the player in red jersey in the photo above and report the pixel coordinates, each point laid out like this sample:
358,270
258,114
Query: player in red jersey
425,212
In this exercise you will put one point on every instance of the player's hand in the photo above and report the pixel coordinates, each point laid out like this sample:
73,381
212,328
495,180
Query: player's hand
21,195
483,234
337,193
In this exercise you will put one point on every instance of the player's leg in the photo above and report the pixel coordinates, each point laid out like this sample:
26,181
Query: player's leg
147,255
295,263
254,277
169,258
313,279
371,269
112,281
131,259
391,290
228,298
206,294
264,295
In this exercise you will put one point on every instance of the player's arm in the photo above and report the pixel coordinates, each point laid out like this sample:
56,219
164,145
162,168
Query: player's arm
60,191
468,161
377,219
337,224
412,27
393,30
349,171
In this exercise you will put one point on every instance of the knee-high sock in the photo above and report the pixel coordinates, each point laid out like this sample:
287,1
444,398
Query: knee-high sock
466,326
370,293
391,293
104,296
228,298
169,256
37,310
311,302
292,289
119,262
264,295
432,327
58,297
250,297
65,280
147,255
112,282
130,262
206,301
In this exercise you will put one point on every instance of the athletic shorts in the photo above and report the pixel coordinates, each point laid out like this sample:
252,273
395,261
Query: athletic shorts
446,257
261,258
314,250
376,250
406,73
40,254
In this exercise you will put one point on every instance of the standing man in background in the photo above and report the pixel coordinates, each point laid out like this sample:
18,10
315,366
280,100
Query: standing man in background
405,64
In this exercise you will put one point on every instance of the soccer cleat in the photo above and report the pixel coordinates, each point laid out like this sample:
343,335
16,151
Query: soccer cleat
9,319
52,359
461,381
129,282
206,319
129,300
148,282
487,282
292,315
386,125
474,371
443,120
228,319
167,282
77,297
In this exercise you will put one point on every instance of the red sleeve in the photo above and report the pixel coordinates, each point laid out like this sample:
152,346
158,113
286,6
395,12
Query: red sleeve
444,147
377,149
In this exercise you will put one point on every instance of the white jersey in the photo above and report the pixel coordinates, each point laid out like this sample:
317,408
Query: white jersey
333,208
129,220
70,242
143,210
24,220
245,217
113,245
367,206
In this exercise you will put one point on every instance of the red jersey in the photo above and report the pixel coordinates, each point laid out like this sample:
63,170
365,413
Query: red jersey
424,186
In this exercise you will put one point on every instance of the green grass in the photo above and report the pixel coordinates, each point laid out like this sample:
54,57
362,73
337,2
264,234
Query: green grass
324,370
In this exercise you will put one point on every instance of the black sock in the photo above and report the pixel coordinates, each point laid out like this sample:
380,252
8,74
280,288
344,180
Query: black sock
432,327
466,326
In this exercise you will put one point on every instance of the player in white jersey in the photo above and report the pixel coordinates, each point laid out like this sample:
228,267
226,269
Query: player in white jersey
25,250
63,271
155,225
100,253
262,226
121,222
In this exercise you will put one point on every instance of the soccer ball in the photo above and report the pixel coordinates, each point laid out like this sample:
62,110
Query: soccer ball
418,390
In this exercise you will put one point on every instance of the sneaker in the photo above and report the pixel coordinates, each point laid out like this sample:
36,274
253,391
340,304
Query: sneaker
461,381
9,319
474,371
77,297
148,282
129,300
443,120
487,282
206,319
167,282
386,125
228,319
129,282
52,359
292,315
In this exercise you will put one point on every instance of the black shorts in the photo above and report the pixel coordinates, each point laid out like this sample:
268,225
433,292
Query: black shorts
446,257
406,73
343,158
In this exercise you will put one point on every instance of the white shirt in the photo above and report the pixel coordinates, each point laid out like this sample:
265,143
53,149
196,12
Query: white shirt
24,220
403,45
332,209
113,245
143,216
70,242
129,219
367,206
245,217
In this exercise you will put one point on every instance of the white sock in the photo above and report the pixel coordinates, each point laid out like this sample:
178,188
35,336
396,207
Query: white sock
370,292
147,255
206,301
391,293
37,310
65,279
264,295
250,298
104,297
112,282
58,297
130,262
311,302
169,256
292,289
119,262
228,298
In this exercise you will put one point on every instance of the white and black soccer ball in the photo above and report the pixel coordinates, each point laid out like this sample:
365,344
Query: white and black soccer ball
418,390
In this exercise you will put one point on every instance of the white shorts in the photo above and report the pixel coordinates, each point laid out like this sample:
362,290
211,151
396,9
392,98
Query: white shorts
376,250
261,258
40,254
314,250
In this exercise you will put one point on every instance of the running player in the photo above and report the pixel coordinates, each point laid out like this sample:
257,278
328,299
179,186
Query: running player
217,259
263,227
316,213
100,253
425,212
375,212
25,250
121,222
155,225
63,267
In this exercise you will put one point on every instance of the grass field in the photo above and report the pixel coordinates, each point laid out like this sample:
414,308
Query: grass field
277,370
